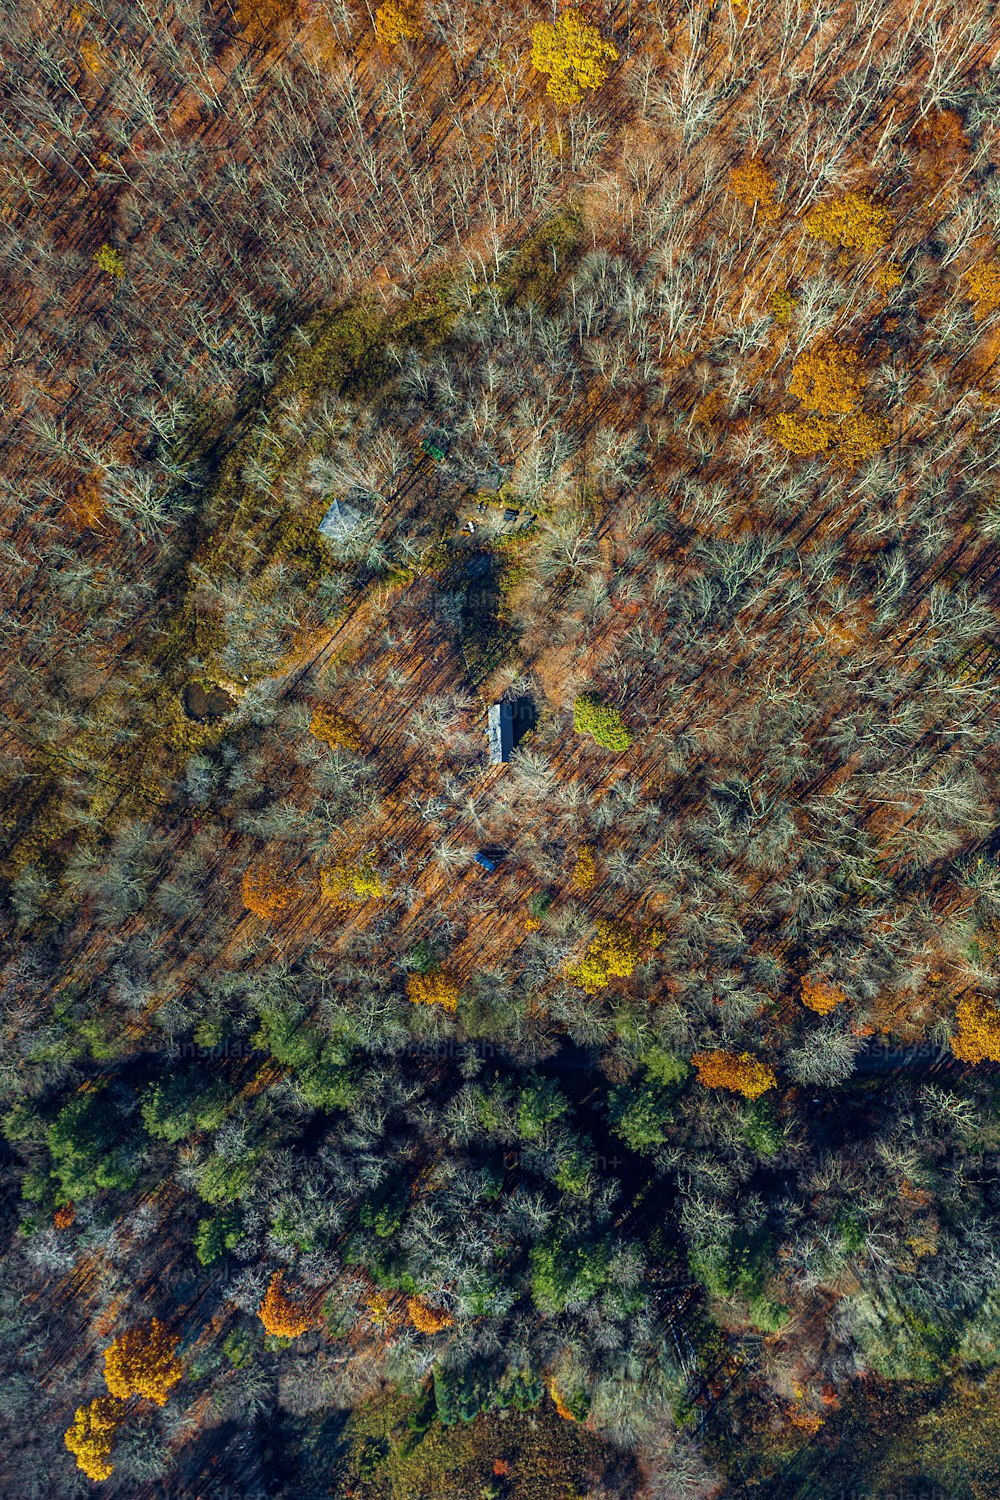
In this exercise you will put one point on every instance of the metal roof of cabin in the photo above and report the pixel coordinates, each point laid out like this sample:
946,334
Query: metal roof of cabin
500,727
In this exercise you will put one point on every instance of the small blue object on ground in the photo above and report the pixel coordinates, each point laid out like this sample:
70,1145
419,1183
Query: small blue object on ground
485,861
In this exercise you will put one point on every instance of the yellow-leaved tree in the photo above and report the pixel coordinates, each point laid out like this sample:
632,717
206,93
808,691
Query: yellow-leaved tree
352,880
978,1038
398,21
612,954
983,282
585,869
140,1362
92,1433
854,221
437,987
573,54
827,379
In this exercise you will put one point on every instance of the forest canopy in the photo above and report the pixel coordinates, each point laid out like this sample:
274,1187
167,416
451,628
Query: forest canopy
612,1109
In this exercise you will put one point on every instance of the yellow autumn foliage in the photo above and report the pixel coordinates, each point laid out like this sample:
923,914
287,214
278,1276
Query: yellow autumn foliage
585,869
827,379
109,260
983,283
853,221
379,1309
140,1362
358,880
397,21
861,436
782,304
90,1437
978,1038
803,436
574,55
439,987
612,954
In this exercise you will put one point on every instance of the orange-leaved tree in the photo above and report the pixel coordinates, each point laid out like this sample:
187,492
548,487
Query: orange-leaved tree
267,891
559,1401
821,995
92,1433
739,1071
574,55
282,1317
140,1362
427,1319
753,184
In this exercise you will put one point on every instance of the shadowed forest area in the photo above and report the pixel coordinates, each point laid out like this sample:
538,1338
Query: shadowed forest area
363,367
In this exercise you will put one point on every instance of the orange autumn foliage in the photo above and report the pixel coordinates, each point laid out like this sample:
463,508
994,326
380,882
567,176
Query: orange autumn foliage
738,1071
558,1402
140,1362
266,891
753,184
427,1319
85,503
64,1216
821,996
281,1317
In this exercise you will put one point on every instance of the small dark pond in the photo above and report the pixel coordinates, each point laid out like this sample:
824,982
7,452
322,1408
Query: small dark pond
205,704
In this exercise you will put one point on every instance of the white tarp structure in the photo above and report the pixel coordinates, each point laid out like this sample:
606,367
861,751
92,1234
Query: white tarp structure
340,522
